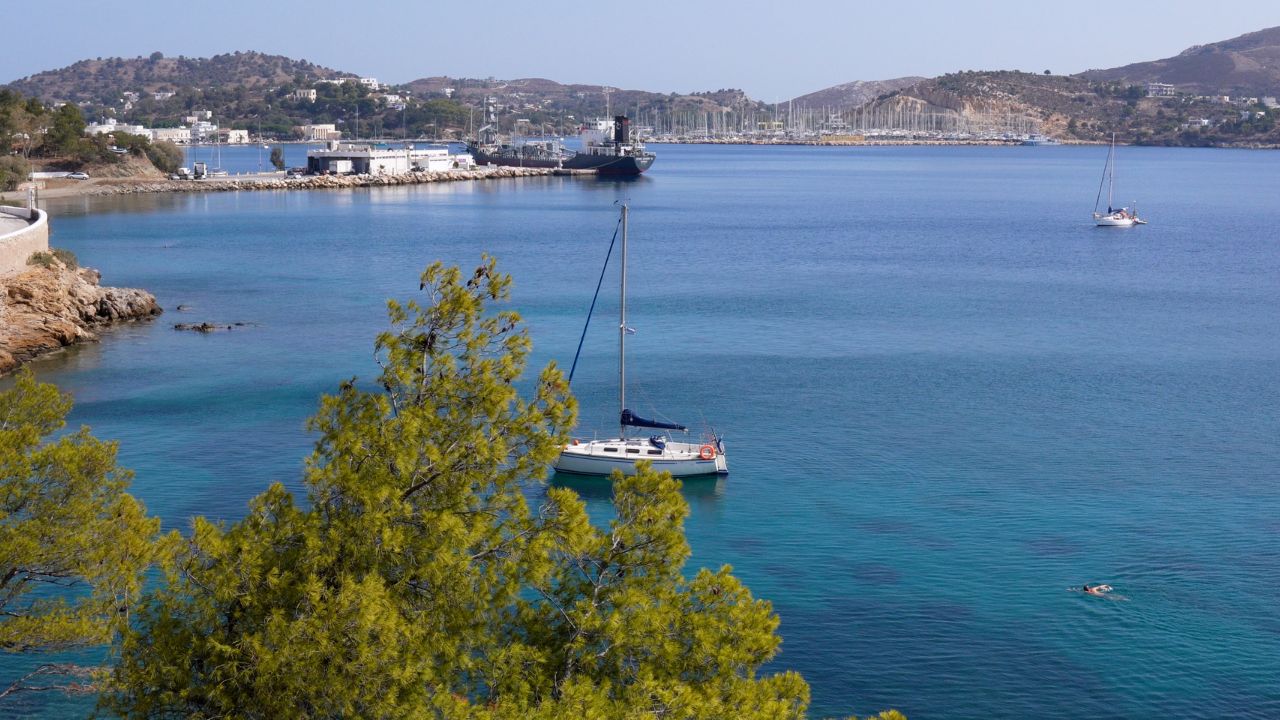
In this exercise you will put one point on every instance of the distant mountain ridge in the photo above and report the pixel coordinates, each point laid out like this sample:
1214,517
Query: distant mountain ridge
580,100
1244,65
102,80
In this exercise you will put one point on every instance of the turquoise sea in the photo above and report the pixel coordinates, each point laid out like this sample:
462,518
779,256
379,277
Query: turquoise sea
947,397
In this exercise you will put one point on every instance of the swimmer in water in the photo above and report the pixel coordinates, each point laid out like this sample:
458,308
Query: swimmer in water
1095,589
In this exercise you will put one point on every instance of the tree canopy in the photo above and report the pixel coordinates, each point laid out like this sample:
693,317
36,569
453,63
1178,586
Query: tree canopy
426,576
73,544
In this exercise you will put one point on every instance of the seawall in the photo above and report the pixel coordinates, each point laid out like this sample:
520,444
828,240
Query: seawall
22,232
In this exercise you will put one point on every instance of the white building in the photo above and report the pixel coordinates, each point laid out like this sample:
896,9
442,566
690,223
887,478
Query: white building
308,95
202,130
160,96
371,83
1155,89
110,125
234,137
179,135
369,160
321,132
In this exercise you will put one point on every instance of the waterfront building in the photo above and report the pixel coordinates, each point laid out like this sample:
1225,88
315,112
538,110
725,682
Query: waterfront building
319,132
202,130
363,159
111,125
179,135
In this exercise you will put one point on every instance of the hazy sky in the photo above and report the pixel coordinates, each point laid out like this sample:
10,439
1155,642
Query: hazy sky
773,50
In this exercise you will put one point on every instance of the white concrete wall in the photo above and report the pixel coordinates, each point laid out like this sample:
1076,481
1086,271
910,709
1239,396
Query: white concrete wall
17,246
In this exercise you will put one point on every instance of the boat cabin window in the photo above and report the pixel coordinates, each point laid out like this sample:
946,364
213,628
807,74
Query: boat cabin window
655,452
611,449
633,450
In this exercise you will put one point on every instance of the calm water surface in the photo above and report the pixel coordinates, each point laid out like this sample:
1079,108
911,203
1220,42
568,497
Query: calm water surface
947,396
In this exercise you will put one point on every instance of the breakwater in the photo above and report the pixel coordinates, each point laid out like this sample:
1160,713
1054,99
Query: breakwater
322,182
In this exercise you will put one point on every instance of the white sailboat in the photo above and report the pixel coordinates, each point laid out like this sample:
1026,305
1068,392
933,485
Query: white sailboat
681,458
1113,217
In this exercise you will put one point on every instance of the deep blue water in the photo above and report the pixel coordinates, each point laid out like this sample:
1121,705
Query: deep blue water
947,396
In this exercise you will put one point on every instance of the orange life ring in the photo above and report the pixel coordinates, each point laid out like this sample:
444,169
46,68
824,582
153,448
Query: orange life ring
706,452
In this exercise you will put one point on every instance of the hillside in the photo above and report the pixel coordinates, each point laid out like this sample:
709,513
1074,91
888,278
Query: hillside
104,80
853,94
544,101
1245,65
1075,108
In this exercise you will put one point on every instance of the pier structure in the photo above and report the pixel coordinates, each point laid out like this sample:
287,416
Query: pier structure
364,159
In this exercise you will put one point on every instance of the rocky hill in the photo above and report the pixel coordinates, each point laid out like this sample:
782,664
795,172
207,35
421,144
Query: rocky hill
1076,108
1246,65
853,94
105,80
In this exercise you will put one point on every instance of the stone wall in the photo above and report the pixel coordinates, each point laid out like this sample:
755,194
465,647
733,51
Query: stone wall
17,246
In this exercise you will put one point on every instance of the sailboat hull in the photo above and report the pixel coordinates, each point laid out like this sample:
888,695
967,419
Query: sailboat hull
602,457
1113,221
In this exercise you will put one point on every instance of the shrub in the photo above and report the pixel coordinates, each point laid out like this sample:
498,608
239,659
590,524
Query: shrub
13,170
46,259
166,156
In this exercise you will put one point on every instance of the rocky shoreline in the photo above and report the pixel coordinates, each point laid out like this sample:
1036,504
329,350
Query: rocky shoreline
45,309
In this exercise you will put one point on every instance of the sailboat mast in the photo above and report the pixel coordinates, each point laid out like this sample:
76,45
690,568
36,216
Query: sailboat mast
1111,185
622,328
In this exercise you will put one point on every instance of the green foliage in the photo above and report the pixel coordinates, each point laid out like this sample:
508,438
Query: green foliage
41,259
165,155
73,544
13,170
67,129
417,581
277,157
67,257
47,259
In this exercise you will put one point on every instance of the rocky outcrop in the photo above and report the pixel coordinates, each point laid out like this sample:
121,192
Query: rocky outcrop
48,308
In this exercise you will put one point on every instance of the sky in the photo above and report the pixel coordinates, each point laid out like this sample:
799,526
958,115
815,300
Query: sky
772,50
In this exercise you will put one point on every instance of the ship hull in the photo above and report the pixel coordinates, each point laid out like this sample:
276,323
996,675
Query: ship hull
602,164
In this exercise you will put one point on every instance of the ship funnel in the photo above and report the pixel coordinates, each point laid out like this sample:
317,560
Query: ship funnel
621,128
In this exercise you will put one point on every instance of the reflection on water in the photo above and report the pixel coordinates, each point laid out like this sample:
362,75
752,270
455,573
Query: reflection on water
705,487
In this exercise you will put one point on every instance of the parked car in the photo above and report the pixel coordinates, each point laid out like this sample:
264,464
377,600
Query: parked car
77,176
296,172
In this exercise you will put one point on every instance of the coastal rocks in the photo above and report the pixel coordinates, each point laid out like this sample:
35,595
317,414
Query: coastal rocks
207,327
321,182
44,309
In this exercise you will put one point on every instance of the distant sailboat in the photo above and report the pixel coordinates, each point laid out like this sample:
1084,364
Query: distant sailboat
1113,217
601,457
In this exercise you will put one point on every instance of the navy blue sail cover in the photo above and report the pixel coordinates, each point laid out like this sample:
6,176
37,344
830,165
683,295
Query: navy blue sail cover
630,418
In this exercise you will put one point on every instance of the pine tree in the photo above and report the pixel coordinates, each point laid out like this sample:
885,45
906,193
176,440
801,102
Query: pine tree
73,544
418,582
